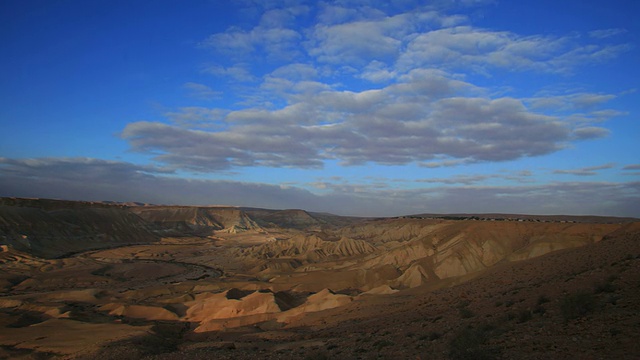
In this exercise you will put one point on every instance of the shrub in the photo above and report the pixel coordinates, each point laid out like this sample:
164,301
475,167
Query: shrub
431,336
317,356
612,299
465,313
470,344
577,305
607,286
510,315
543,299
524,316
539,310
382,343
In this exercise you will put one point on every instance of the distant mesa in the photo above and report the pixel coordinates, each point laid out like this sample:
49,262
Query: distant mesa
180,220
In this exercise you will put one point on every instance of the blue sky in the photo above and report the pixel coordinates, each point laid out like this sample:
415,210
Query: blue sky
353,107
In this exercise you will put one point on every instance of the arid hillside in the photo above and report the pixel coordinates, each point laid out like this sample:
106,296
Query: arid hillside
50,228
102,280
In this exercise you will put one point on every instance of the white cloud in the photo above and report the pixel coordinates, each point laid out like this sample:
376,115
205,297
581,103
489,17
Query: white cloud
585,55
91,179
358,82
461,179
424,116
476,48
586,171
277,43
389,85
590,132
571,102
444,163
340,12
201,91
606,33
238,72
352,43
296,72
377,72
379,43
196,117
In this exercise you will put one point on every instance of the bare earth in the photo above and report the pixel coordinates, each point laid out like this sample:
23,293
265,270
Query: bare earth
108,281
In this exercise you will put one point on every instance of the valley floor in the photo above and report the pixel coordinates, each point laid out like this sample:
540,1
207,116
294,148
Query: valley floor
383,289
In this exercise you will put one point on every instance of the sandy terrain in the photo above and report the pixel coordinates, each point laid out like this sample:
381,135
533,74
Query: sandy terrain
233,283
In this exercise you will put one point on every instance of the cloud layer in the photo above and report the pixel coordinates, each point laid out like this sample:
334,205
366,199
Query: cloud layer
93,179
368,84
356,107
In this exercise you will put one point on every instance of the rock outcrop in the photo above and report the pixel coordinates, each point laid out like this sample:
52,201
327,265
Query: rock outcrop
190,220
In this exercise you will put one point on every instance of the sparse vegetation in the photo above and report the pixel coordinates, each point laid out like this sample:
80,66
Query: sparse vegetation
577,305
431,336
539,310
183,318
317,356
606,286
612,299
524,316
470,344
543,300
466,313
382,343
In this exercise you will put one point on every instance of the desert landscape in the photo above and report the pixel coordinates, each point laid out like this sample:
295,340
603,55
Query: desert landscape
309,180
102,280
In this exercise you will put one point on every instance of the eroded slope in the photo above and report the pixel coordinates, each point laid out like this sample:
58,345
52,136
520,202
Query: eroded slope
253,277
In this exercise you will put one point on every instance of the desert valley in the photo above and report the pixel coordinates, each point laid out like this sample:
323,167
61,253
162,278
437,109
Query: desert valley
102,280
